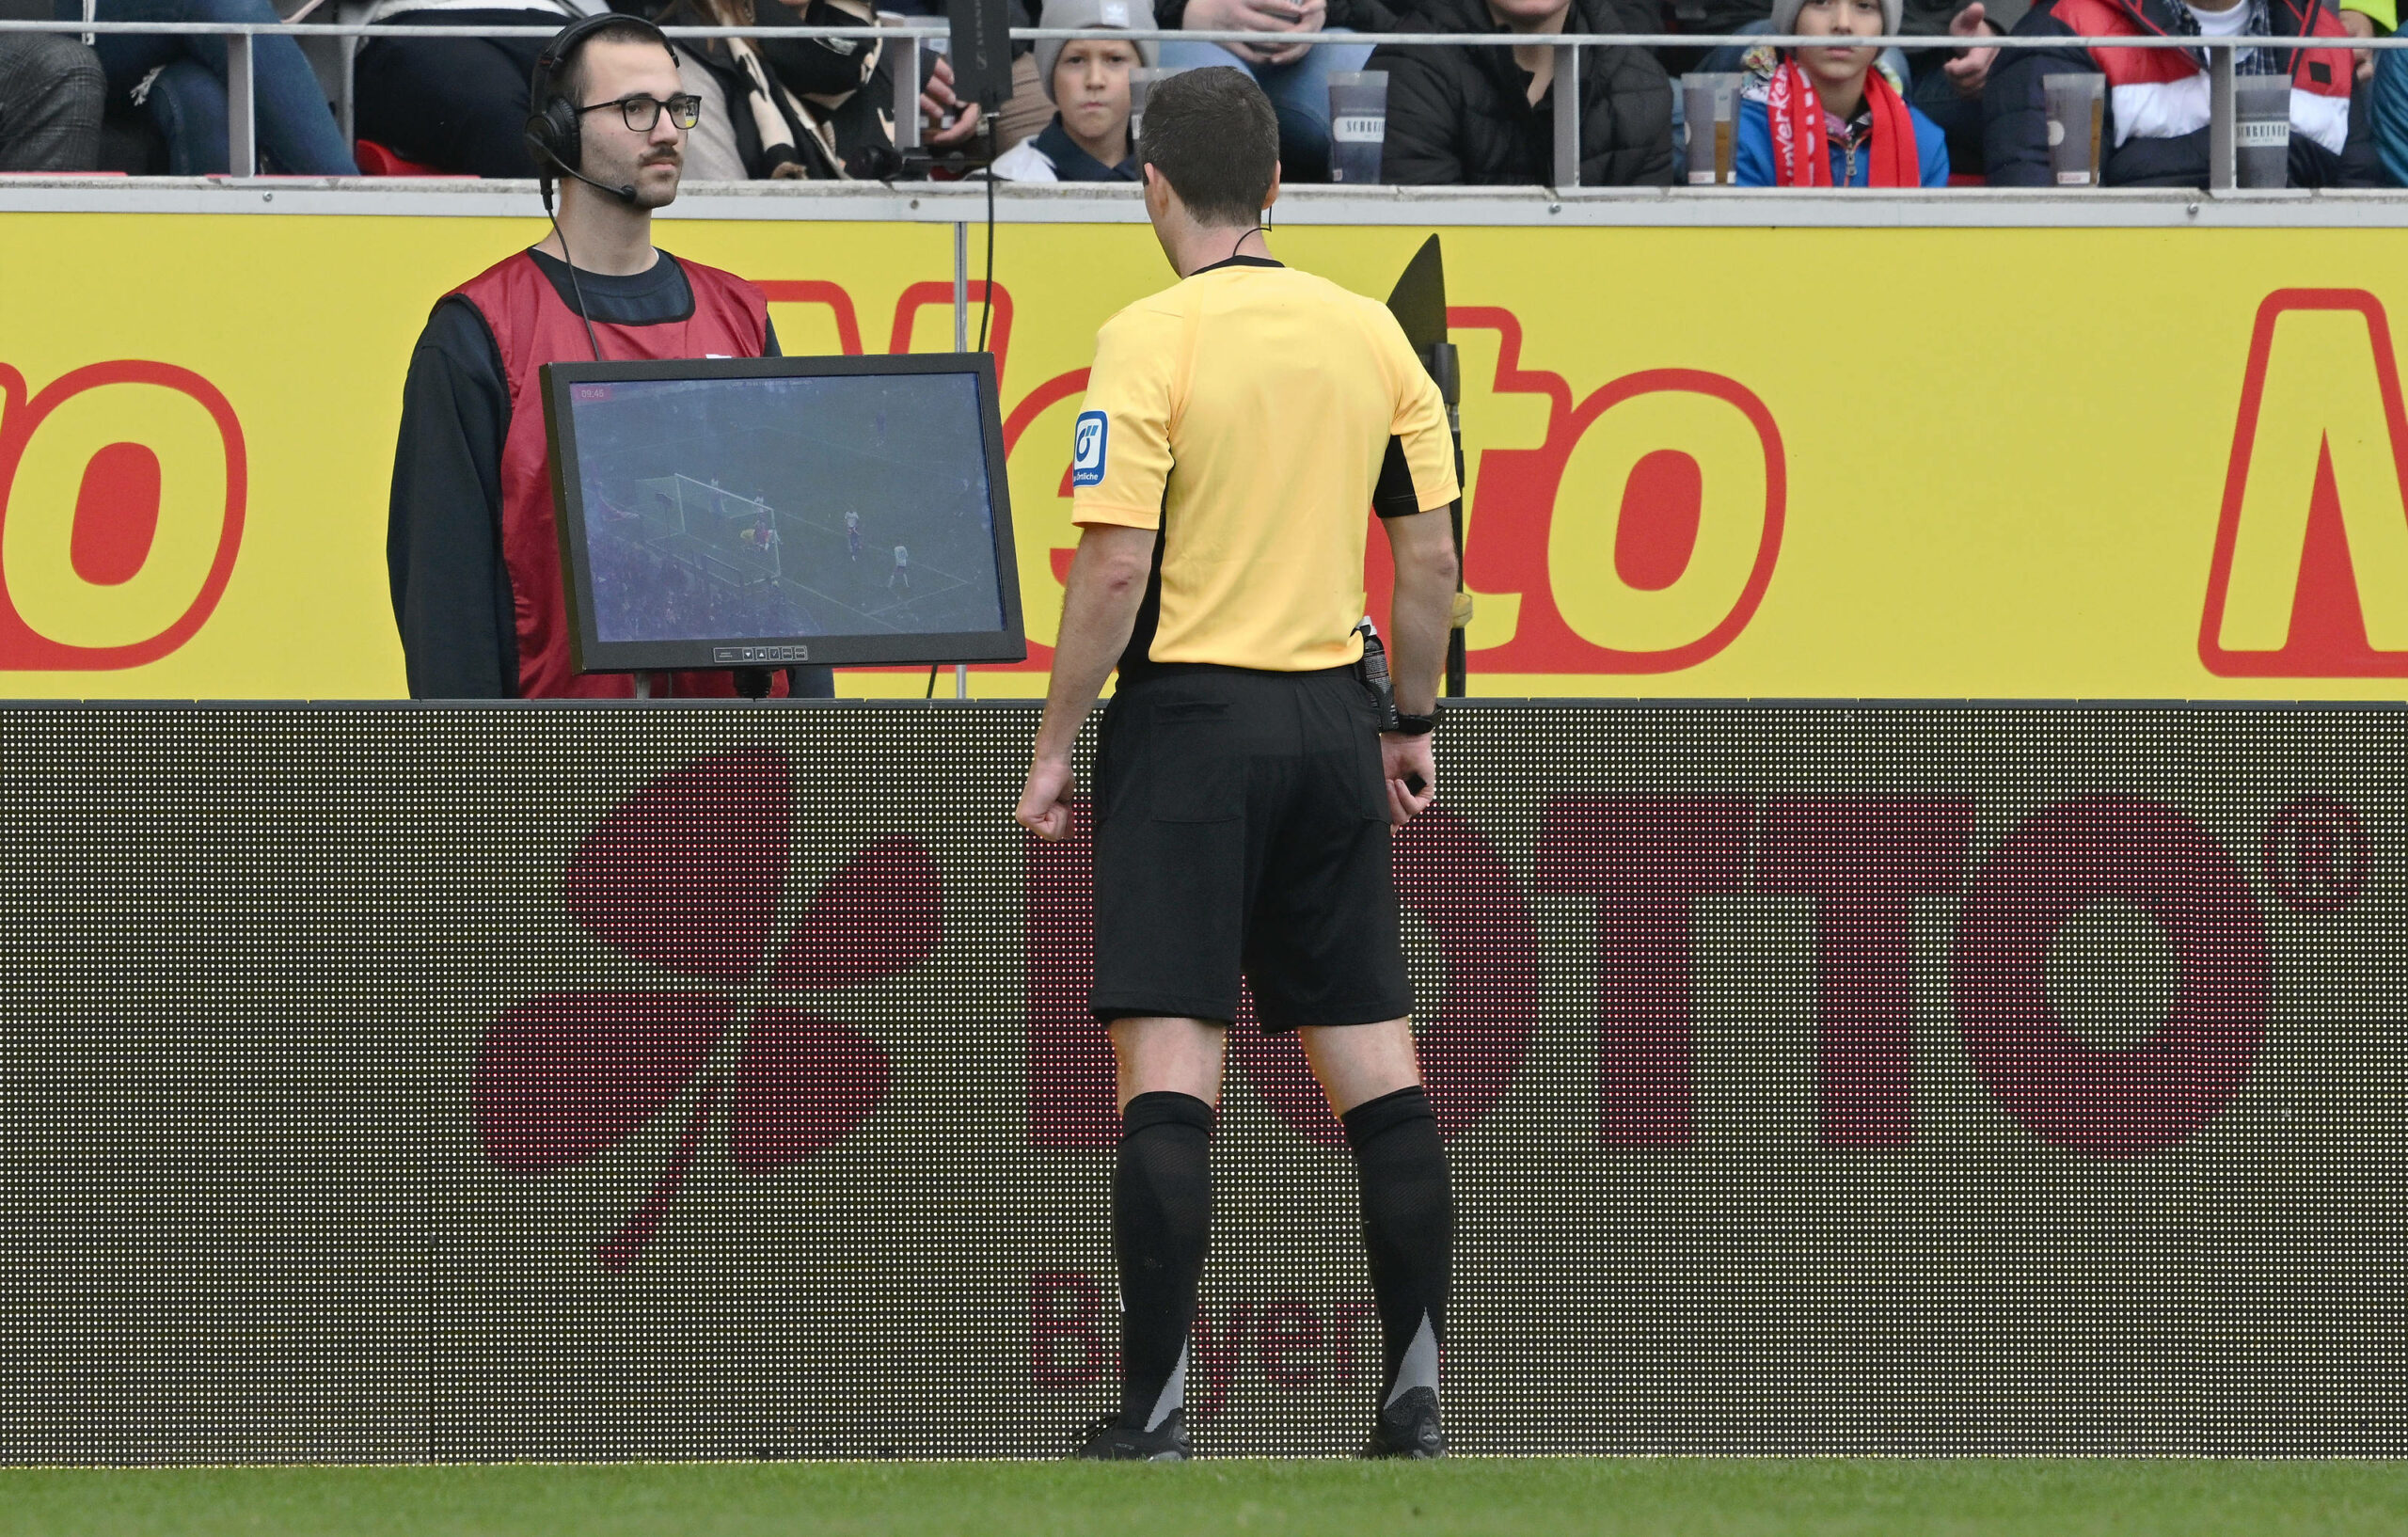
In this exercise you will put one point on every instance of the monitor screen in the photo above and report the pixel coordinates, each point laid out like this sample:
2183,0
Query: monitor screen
759,512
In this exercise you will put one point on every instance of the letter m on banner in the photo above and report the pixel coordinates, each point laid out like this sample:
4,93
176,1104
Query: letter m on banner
2310,576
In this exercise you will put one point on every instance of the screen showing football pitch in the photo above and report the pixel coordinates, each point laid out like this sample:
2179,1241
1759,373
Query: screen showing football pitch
728,509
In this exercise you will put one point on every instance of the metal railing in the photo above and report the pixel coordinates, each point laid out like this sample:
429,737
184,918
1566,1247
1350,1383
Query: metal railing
242,135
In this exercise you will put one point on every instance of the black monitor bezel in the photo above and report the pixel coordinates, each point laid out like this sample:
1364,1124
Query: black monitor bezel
591,653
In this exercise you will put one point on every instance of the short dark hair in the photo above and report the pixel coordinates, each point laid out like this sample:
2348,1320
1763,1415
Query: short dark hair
569,77
1213,136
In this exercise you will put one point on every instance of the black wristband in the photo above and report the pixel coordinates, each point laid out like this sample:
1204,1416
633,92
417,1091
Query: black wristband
1417,726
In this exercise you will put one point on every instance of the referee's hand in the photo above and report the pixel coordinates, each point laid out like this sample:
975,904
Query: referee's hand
1044,808
1406,761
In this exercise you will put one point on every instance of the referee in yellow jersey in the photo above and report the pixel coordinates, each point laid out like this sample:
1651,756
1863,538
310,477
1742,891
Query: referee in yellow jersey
1237,426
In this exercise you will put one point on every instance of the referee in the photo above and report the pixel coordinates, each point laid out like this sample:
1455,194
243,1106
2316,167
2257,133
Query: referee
1236,427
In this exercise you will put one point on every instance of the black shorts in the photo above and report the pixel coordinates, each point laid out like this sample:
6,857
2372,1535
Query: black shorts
1242,825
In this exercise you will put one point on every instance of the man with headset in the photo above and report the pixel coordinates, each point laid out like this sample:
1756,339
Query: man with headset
470,549
1236,427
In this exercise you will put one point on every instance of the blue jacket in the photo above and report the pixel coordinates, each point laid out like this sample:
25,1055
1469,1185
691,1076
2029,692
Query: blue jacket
1751,151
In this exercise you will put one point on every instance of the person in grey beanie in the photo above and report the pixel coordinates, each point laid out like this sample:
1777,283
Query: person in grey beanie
1823,117
1087,80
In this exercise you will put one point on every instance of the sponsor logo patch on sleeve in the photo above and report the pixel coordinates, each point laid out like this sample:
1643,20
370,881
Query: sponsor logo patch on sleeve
1086,449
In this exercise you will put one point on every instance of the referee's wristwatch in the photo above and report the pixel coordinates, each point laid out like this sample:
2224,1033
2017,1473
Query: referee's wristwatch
1418,725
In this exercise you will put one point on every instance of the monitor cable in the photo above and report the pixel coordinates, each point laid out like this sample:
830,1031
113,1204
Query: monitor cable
987,289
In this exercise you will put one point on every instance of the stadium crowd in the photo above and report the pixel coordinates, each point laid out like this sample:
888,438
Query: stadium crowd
821,108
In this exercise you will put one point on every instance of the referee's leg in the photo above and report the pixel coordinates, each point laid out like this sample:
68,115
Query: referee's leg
1161,1217
1374,1083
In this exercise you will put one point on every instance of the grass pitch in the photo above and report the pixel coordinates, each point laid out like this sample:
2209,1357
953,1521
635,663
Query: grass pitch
1730,1497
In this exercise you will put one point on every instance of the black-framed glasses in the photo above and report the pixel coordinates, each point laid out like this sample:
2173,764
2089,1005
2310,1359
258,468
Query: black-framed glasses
641,112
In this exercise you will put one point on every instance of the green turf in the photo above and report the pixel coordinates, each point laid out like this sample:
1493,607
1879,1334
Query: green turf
1695,1499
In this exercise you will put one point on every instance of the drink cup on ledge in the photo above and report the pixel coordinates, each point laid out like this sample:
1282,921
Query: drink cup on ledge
2076,106
1710,108
2262,134
1359,125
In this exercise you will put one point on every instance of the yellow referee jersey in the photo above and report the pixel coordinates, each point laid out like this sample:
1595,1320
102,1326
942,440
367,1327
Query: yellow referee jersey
1253,414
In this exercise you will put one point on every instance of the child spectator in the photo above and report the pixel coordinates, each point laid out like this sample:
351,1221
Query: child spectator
1487,115
51,89
1826,117
2156,129
1088,83
181,82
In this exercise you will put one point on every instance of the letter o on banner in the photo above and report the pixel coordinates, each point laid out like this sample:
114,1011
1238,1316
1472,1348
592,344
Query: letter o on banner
121,485
1667,517
2112,1104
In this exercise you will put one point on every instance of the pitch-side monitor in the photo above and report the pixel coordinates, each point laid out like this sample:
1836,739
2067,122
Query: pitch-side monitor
757,512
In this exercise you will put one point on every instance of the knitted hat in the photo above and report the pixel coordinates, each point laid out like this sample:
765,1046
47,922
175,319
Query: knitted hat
1124,14
1784,16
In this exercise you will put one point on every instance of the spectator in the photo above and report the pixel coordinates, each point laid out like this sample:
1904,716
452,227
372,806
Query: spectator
1948,82
51,91
181,82
1827,117
1487,115
2156,129
804,108
1294,75
1089,82
454,103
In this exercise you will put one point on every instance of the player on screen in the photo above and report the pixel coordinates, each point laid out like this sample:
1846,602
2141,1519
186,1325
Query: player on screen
852,533
902,570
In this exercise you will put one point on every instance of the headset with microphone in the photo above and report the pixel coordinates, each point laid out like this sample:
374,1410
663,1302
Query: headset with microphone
555,136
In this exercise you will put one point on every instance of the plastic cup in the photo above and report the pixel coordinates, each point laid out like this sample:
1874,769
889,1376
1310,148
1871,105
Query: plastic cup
1358,125
2261,132
1710,98
2077,107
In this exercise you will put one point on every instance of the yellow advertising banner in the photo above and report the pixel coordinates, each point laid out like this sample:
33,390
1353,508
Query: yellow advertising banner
1702,462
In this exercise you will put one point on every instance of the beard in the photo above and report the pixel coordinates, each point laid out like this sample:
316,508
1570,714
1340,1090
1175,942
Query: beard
652,190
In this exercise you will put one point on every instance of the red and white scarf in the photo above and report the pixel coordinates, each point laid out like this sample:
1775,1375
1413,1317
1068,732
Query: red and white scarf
1801,150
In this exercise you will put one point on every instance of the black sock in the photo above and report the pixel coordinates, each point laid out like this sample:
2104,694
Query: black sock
1408,1230
1162,1218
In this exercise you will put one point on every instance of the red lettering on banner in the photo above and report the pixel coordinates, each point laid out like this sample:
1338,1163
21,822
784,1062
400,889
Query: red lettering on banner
2301,549
1066,1310
1646,861
818,291
116,511
1472,1043
1517,490
117,514
1290,1329
1214,1350
1864,861
2112,1104
1290,1342
920,296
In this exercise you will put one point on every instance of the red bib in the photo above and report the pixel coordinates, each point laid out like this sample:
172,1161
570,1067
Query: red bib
532,326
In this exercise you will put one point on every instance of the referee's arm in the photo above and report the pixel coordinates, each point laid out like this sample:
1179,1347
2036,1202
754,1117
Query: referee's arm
1100,603
1416,491
1119,508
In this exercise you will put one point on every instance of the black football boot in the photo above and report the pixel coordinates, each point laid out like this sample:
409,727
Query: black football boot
1110,1441
1409,1427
